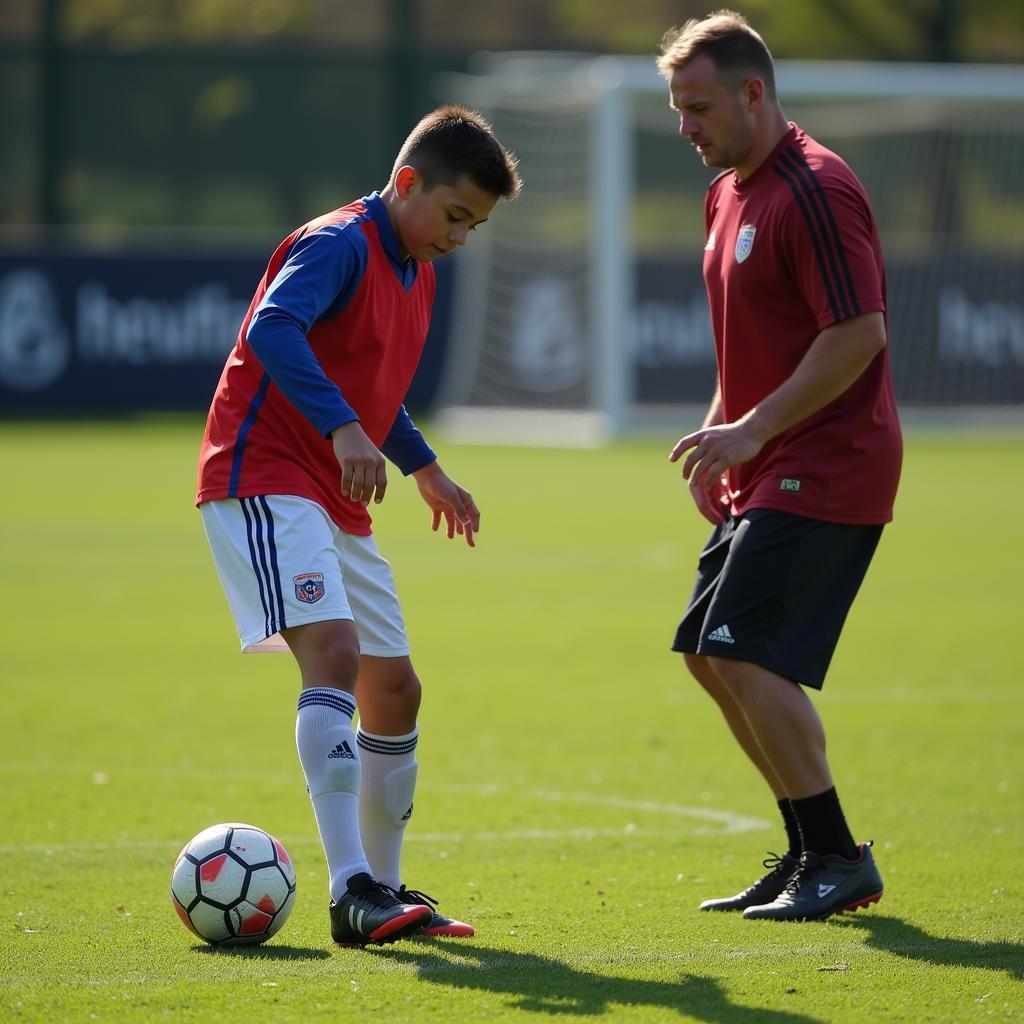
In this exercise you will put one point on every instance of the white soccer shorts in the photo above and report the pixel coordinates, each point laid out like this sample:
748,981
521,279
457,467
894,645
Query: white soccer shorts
283,562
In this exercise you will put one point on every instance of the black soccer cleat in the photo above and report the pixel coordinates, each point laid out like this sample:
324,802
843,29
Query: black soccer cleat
822,886
764,890
371,911
439,926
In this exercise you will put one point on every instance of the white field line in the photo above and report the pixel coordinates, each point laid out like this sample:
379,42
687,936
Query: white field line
728,821
437,838
708,821
98,773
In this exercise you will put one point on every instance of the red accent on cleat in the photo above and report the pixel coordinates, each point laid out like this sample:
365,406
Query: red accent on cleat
437,926
397,923
866,902
446,929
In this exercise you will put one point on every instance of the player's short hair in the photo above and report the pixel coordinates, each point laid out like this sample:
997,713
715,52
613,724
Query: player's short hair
453,141
726,37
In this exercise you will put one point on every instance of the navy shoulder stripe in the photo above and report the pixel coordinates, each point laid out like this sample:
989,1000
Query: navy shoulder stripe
833,228
821,226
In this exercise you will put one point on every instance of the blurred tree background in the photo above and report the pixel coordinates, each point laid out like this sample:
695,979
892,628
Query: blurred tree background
253,115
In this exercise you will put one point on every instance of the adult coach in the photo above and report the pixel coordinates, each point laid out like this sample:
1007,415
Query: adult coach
798,460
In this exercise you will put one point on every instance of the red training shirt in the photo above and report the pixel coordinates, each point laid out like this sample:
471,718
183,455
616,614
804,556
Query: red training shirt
257,442
791,250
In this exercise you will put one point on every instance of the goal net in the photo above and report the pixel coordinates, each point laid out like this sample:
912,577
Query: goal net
580,311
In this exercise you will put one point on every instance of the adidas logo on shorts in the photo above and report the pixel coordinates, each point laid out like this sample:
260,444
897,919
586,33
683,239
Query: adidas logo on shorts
722,635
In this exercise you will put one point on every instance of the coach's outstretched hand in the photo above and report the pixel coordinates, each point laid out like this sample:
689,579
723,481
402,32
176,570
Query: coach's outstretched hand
364,475
446,498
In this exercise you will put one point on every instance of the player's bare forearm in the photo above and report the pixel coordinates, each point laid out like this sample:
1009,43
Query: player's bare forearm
714,414
449,501
838,356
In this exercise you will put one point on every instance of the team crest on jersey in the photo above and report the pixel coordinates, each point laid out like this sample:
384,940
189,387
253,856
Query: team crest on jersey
309,587
745,242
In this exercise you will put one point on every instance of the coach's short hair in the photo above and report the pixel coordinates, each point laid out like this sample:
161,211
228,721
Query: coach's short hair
453,141
726,37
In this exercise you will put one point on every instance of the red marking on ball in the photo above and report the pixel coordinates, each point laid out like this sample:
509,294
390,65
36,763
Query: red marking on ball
212,868
255,924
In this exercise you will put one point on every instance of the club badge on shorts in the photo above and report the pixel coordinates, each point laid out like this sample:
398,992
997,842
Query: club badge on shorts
745,242
309,586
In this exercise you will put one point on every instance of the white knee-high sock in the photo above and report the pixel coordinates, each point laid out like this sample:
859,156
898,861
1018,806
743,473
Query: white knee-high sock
385,799
330,761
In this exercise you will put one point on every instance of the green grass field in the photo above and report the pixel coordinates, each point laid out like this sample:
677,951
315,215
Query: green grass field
578,795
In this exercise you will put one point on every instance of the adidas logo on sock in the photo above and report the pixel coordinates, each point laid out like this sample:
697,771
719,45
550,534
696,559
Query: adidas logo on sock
408,814
722,635
342,750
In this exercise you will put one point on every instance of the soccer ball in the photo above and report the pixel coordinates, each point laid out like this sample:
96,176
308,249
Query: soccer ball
233,885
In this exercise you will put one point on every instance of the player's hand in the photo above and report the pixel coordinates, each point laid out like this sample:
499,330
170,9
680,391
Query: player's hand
713,450
364,475
712,501
450,501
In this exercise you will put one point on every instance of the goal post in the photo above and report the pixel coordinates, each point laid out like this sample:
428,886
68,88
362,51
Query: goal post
542,297
579,312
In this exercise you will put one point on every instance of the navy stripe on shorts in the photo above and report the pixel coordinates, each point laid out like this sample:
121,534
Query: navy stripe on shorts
259,528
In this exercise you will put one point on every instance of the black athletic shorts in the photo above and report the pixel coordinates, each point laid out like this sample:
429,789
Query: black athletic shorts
774,589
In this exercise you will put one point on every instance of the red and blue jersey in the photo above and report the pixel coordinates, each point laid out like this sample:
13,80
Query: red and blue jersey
792,249
333,334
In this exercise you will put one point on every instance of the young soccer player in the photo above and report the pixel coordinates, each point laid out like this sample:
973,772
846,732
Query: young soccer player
797,463
309,405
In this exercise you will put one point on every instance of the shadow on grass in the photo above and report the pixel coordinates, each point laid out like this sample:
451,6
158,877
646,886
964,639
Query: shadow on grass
542,985
901,939
275,952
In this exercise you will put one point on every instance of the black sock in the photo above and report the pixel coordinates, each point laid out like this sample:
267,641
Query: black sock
823,826
792,828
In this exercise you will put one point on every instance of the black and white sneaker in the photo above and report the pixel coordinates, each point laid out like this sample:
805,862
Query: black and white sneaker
822,886
764,890
373,912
